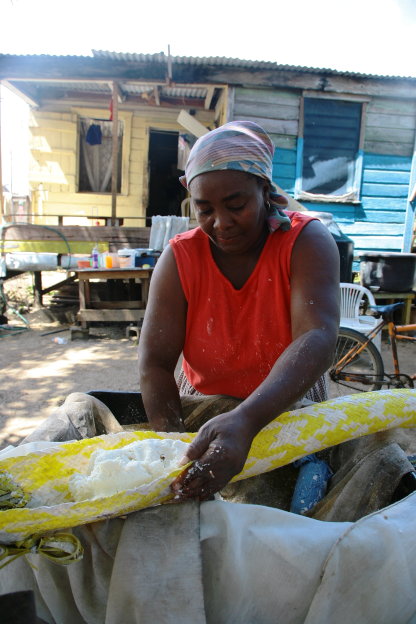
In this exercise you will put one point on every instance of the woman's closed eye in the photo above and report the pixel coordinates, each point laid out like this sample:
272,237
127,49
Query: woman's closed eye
204,212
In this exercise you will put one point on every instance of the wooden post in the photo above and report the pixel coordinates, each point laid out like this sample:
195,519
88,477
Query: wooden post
1,171
114,176
37,289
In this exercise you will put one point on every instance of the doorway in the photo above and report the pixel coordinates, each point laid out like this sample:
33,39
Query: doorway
165,191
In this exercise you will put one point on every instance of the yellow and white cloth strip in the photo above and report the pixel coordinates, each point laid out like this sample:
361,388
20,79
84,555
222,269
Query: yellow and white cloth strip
44,475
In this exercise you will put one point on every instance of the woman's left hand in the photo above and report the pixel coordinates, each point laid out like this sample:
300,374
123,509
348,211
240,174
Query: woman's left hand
219,452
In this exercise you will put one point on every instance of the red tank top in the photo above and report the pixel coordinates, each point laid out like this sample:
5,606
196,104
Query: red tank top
234,337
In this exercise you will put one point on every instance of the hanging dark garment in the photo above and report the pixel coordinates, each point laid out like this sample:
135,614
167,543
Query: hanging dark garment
94,135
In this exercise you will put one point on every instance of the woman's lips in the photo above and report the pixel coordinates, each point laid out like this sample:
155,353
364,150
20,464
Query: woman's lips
226,239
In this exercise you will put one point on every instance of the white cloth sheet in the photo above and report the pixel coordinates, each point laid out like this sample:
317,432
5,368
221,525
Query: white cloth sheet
247,564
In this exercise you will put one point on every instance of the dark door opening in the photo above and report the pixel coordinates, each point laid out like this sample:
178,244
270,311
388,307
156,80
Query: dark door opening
165,191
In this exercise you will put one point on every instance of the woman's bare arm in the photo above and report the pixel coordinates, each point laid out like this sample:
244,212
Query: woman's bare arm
161,343
315,321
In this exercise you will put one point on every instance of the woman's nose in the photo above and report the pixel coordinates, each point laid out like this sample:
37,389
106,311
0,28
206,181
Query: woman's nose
222,221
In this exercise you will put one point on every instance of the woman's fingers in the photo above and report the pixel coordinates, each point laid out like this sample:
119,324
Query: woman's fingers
198,480
198,447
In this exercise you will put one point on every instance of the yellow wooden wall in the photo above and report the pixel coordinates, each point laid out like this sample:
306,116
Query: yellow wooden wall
54,163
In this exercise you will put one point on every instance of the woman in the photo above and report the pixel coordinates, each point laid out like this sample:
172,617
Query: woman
251,299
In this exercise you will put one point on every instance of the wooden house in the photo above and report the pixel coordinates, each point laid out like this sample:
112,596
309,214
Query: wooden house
106,132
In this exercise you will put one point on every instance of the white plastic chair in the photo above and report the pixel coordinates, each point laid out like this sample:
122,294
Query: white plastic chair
352,295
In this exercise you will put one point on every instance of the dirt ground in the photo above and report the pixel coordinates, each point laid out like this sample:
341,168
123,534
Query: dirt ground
37,373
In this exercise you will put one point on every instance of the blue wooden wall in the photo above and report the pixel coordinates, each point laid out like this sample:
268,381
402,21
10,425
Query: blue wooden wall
377,222
382,220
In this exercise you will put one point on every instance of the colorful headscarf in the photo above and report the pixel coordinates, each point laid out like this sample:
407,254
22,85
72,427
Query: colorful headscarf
241,146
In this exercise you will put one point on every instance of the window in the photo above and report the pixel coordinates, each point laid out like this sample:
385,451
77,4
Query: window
329,159
95,156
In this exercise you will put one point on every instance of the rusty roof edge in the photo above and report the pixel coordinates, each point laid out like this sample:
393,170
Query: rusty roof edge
217,61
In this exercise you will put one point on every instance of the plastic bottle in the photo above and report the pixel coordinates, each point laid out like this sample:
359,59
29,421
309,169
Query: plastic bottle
95,254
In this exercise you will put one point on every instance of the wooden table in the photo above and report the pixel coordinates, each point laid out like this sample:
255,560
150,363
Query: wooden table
111,311
393,297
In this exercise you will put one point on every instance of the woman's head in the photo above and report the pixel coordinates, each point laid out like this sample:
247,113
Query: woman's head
230,207
238,146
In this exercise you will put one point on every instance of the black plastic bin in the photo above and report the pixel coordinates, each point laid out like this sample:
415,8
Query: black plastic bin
388,271
346,255
127,407
345,245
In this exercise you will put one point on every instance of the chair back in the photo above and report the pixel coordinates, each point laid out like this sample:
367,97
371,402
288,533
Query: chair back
352,296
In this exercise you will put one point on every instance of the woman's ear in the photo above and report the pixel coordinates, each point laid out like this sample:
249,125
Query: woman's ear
266,191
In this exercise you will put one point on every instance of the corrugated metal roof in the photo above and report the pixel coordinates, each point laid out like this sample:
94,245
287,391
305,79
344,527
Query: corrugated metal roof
76,85
136,89
160,57
184,92
219,61
223,61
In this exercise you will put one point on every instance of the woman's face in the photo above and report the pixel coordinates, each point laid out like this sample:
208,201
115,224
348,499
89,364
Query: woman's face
230,208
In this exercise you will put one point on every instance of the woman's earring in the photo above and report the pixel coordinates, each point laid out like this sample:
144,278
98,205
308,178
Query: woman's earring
267,203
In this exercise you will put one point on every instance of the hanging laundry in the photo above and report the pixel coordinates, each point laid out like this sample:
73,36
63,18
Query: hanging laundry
94,135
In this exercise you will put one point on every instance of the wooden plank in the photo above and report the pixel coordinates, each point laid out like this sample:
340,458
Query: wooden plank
385,190
386,177
383,216
208,97
53,125
284,141
280,78
114,152
389,135
379,120
387,161
379,243
394,106
116,316
287,184
283,170
346,210
362,228
391,204
78,233
114,305
267,110
276,126
191,124
286,156
106,274
384,147
272,96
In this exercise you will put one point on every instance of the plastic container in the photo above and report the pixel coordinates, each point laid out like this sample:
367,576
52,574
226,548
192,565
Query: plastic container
95,254
125,262
60,340
136,258
391,272
83,264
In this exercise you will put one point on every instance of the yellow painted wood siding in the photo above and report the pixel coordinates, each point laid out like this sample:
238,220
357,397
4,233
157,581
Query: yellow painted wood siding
54,163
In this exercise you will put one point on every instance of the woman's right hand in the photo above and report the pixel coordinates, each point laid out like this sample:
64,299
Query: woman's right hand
218,453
